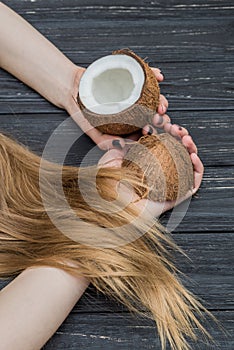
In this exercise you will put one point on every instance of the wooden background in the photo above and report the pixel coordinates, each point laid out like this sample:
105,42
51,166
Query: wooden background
192,42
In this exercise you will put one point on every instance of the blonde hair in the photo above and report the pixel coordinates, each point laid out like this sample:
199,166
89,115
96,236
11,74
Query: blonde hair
138,273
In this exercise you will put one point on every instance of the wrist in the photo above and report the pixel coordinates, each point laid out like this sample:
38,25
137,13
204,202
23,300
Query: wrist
69,101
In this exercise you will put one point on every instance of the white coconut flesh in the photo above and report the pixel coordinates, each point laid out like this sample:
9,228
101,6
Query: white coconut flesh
111,84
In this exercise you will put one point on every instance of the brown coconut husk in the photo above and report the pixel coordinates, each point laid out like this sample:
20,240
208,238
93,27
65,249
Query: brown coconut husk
135,117
163,166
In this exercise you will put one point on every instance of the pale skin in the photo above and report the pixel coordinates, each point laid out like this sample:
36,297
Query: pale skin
34,305
114,158
33,59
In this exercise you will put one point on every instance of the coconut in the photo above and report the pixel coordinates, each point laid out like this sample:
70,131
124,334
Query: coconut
119,93
163,166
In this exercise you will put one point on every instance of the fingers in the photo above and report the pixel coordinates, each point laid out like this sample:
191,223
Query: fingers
163,105
176,130
163,122
103,141
106,142
180,131
158,74
197,163
198,169
149,130
159,121
189,144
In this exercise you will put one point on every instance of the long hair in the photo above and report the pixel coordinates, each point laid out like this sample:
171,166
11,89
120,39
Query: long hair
136,270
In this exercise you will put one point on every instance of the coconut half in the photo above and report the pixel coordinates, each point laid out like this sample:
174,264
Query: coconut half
119,93
163,166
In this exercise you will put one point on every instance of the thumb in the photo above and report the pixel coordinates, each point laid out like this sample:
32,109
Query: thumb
103,141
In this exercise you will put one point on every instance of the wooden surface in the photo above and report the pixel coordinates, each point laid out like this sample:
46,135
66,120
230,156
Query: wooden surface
192,42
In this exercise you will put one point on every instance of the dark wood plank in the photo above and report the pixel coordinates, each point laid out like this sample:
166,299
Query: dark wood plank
123,331
211,211
189,86
212,131
209,273
109,9
85,37
162,40
192,42
212,208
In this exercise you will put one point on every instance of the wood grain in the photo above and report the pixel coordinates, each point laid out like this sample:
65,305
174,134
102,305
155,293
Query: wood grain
190,86
192,42
123,331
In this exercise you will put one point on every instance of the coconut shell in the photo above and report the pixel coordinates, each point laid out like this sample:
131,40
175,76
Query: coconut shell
135,117
163,166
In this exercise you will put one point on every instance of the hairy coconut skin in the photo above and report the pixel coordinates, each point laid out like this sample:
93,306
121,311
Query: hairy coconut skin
135,117
163,165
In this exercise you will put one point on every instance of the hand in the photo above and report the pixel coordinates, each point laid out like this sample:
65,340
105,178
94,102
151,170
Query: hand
59,82
114,158
160,119
104,141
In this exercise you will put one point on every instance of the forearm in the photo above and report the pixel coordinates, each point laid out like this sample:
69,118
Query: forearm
33,59
35,304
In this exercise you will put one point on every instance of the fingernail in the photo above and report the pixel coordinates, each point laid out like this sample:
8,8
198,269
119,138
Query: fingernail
162,74
151,130
116,143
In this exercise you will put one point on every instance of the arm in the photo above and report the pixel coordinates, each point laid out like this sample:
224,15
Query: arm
30,57
33,59
35,304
